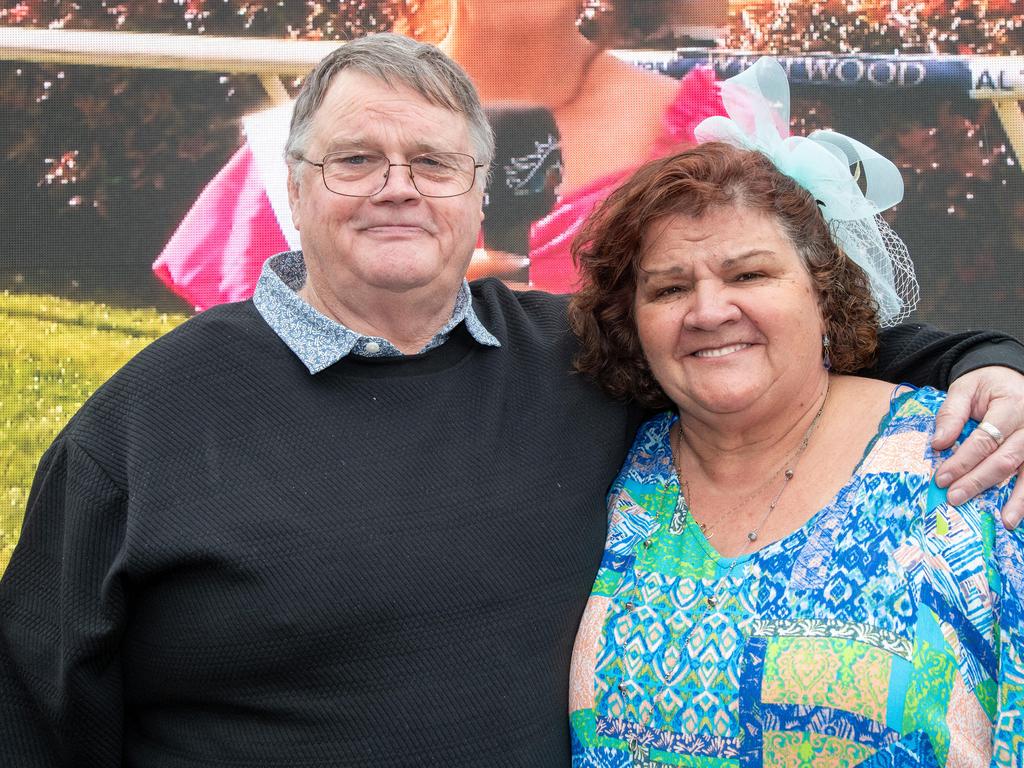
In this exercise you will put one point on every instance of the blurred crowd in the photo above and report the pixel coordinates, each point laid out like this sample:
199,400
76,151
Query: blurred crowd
958,27
234,18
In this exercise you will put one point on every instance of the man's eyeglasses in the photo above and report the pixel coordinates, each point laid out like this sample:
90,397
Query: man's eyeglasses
355,173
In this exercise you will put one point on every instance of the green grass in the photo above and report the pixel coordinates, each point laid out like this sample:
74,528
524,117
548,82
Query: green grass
53,354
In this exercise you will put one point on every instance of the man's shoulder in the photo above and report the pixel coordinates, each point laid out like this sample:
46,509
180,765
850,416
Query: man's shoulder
509,313
227,330
223,358
200,355
242,315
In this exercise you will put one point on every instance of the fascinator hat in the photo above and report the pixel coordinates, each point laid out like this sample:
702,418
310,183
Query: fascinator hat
830,166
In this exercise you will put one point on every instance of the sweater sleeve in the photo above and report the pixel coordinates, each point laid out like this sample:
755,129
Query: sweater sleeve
61,615
925,356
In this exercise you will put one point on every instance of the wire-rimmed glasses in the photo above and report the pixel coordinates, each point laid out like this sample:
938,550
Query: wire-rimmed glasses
357,173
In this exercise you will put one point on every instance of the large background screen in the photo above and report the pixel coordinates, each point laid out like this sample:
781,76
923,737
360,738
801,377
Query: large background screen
141,139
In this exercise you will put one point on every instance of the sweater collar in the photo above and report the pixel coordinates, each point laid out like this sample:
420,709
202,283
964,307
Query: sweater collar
319,341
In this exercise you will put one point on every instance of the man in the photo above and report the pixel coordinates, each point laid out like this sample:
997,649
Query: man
355,520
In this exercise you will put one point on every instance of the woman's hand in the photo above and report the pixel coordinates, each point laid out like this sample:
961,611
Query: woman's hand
994,395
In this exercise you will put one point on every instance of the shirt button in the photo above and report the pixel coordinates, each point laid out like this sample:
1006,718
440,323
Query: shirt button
647,544
630,606
372,347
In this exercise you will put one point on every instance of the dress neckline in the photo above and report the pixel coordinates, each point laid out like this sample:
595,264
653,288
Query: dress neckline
798,535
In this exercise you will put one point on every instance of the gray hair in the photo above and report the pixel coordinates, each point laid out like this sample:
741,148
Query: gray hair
393,59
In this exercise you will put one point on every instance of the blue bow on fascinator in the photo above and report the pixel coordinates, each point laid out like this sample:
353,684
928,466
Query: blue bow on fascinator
757,101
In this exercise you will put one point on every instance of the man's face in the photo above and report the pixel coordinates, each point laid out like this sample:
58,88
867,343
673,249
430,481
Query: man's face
396,240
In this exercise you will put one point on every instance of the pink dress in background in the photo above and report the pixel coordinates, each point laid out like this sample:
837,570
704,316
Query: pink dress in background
216,253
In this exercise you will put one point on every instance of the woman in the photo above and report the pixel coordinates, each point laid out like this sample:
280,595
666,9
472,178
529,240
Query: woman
611,117
782,582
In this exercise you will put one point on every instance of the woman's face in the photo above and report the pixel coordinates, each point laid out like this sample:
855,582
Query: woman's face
727,315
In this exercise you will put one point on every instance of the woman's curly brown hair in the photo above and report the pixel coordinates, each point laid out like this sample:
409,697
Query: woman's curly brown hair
609,250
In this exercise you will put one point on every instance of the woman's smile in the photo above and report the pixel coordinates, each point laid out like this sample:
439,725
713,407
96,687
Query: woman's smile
721,351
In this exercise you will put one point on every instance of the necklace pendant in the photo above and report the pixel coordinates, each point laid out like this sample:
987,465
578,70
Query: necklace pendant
677,524
789,474
639,754
752,536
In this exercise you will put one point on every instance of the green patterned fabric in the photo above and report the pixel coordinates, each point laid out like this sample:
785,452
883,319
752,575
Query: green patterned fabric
885,631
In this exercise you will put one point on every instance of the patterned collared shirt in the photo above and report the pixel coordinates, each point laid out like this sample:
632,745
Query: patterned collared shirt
319,341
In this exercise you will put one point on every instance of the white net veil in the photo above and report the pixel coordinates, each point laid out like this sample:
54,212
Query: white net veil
757,102
885,259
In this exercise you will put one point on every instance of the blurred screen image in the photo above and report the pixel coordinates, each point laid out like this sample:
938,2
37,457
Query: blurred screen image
141,186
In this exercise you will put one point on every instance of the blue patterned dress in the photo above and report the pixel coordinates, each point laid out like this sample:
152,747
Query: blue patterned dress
886,631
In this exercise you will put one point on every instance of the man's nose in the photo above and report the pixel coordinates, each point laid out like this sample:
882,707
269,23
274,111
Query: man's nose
711,305
398,185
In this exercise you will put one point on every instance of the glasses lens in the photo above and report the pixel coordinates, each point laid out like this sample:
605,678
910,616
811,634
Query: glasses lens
443,174
355,173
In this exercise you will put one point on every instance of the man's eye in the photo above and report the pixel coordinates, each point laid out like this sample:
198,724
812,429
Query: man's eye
432,163
746,277
668,290
350,159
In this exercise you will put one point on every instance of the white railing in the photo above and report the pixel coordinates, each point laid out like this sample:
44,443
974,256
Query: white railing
270,59
267,58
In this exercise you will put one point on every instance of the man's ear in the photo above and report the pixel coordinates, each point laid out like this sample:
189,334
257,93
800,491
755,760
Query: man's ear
293,195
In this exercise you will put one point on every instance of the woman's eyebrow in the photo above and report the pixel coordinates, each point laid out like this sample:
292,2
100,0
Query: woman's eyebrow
732,261
674,271
729,262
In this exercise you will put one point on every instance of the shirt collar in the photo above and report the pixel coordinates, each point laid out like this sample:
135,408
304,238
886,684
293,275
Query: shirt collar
319,341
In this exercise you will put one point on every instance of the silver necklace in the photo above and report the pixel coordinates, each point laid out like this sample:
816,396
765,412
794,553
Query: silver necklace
678,521
683,508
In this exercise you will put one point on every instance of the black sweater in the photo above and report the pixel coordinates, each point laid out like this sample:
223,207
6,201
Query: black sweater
227,561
